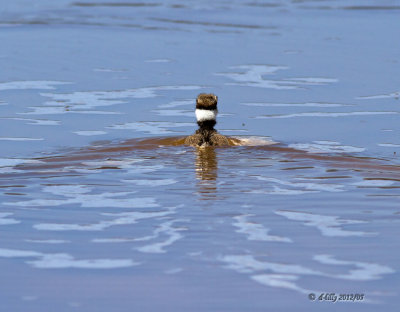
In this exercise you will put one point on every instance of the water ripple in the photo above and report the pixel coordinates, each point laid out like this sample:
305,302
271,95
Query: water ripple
4,220
26,85
365,270
328,225
79,194
326,147
122,219
253,76
393,95
170,231
151,127
285,275
63,261
256,231
326,114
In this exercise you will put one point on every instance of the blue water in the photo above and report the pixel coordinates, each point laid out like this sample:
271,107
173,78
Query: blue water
95,218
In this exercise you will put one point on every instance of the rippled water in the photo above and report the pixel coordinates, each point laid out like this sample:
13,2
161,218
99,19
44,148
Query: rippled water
102,209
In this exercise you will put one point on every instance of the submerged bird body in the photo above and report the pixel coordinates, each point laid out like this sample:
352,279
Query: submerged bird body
206,115
208,138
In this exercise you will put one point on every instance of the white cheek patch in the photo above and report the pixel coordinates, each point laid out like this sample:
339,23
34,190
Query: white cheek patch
206,114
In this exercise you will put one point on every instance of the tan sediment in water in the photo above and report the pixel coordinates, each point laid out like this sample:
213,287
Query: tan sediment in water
177,141
113,150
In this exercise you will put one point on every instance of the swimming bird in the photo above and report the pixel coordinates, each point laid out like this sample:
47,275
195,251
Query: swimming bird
206,115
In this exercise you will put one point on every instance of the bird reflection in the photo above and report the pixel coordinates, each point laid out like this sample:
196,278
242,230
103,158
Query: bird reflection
206,171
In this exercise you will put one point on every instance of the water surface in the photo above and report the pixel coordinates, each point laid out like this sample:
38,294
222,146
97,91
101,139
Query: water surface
100,211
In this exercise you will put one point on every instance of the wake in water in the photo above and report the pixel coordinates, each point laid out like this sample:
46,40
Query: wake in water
110,154
158,205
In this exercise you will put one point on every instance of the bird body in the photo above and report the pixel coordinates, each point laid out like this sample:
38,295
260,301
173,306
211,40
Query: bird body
206,115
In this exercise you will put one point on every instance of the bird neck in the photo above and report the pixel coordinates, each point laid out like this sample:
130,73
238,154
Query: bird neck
206,125
206,129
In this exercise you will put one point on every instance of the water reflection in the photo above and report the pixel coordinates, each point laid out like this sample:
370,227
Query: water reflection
206,171
134,200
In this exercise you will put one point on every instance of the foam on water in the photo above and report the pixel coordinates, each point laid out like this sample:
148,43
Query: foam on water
90,132
5,220
109,70
302,186
119,163
393,95
389,145
47,110
280,281
114,240
254,141
374,183
283,275
10,162
295,104
48,241
36,122
63,261
327,147
20,139
177,103
364,271
152,183
286,275
323,114
85,102
27,85
80,195
174,112
151,127
165,229
255,231
253,76
327,225
122,219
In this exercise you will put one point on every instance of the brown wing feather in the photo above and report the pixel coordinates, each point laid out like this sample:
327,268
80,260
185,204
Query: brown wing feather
216,139
193,140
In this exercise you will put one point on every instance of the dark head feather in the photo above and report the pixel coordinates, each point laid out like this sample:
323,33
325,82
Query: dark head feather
206,101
